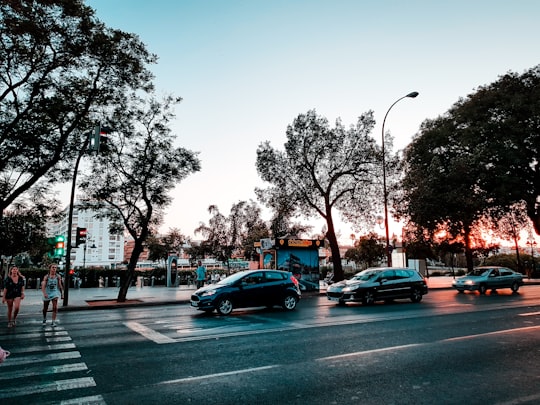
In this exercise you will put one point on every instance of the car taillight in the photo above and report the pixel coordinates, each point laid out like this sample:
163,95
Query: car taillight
294,280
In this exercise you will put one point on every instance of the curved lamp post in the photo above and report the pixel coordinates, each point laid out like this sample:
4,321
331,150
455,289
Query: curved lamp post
385,193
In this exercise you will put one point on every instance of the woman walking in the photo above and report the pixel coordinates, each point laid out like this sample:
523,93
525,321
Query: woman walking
52,289
13,294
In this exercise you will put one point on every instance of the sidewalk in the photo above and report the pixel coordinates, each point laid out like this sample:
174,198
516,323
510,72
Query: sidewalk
103,298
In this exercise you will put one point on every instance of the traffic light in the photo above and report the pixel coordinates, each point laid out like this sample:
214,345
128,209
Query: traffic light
51,242
59,246
80,238
99,139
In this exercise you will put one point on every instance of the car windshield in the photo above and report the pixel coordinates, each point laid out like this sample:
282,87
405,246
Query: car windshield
365,275
232,278
479,272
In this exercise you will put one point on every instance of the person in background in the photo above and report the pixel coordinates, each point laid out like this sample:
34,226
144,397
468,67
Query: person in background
52,289
13,294
201,274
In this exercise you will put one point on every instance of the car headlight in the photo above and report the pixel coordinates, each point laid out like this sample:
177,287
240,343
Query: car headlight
208,293
469,282
351,288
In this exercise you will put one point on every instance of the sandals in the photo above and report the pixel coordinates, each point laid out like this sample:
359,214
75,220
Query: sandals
11,324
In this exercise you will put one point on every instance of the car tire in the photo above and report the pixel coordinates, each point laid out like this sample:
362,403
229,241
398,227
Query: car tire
289,302
515,287
482,289
416,295
369,298
224,306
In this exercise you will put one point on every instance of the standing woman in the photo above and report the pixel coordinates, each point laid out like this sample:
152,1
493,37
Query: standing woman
13,294
52,290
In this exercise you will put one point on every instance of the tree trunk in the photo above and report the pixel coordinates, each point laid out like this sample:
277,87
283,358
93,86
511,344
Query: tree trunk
130,275
468,251
334,248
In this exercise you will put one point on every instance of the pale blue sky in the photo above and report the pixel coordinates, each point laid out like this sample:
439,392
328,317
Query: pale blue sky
246,69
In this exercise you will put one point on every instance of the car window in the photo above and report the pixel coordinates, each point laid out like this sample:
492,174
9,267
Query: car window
274,276
388,275
255,278
505,272
479,272
494,273
403,273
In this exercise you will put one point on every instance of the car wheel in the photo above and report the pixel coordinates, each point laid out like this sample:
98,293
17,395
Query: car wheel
416,295
225,306
482,289
515,287
289,302
369,298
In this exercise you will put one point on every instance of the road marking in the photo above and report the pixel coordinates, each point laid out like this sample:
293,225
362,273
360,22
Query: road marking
530,314
148,333
207,376
30,372
61,385
17,361
93,400
497,332
362,353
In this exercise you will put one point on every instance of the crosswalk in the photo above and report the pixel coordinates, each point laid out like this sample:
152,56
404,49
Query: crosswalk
44,367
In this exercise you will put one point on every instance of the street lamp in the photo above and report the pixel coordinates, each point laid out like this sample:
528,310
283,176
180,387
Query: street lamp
84,255
532,244
385,193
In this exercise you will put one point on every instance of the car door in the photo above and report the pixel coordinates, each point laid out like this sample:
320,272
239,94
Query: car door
494,280
249,291
388,285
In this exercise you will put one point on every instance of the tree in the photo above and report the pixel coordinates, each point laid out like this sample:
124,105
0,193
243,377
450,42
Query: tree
59,67
160,247
368,250
134,179
501,123
235,234
323,170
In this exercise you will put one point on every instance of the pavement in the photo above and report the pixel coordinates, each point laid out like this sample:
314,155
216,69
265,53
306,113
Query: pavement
105,297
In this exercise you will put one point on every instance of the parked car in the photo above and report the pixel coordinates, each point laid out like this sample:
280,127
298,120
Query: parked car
486,278
376,284
250,288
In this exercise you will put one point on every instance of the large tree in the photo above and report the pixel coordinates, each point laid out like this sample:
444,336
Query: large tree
324,170
59,66
479,159
500,122
133,180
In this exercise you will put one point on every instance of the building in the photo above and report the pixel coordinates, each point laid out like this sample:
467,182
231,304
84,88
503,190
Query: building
102,249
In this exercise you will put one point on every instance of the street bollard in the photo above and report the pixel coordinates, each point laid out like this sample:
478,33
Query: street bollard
38,284
117,281
106,281
153,278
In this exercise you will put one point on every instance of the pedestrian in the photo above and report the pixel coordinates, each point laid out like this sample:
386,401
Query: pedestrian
201,274
13,294
52,289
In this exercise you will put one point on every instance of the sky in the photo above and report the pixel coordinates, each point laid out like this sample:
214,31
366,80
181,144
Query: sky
247,68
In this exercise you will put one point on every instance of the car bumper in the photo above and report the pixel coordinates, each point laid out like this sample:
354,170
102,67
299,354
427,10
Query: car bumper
466,287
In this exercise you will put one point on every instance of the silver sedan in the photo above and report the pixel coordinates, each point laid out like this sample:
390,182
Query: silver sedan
486,278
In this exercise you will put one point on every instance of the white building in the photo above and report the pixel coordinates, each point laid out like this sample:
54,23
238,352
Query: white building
102,248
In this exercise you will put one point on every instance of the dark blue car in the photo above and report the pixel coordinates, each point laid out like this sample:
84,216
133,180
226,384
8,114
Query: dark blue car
251,288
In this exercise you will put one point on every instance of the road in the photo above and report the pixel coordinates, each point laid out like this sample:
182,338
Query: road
449,349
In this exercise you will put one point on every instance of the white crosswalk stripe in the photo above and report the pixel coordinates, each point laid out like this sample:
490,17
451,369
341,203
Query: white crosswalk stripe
44,367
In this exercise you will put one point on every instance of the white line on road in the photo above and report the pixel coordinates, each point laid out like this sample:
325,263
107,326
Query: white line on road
148,333
61,385
207,376
382,349
497,332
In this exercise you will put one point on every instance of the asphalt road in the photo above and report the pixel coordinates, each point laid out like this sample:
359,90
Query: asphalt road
449,349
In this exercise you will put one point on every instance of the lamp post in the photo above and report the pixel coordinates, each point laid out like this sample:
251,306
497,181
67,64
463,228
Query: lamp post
385,193
532,244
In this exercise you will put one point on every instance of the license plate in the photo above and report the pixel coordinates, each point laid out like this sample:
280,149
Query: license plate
333,299
194,304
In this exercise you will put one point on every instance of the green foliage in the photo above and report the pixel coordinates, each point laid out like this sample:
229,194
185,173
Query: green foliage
134,179
476,161
58,66
323,169
368,251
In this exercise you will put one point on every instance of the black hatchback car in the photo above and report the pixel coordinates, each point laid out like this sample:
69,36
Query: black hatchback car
378,284
251,288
